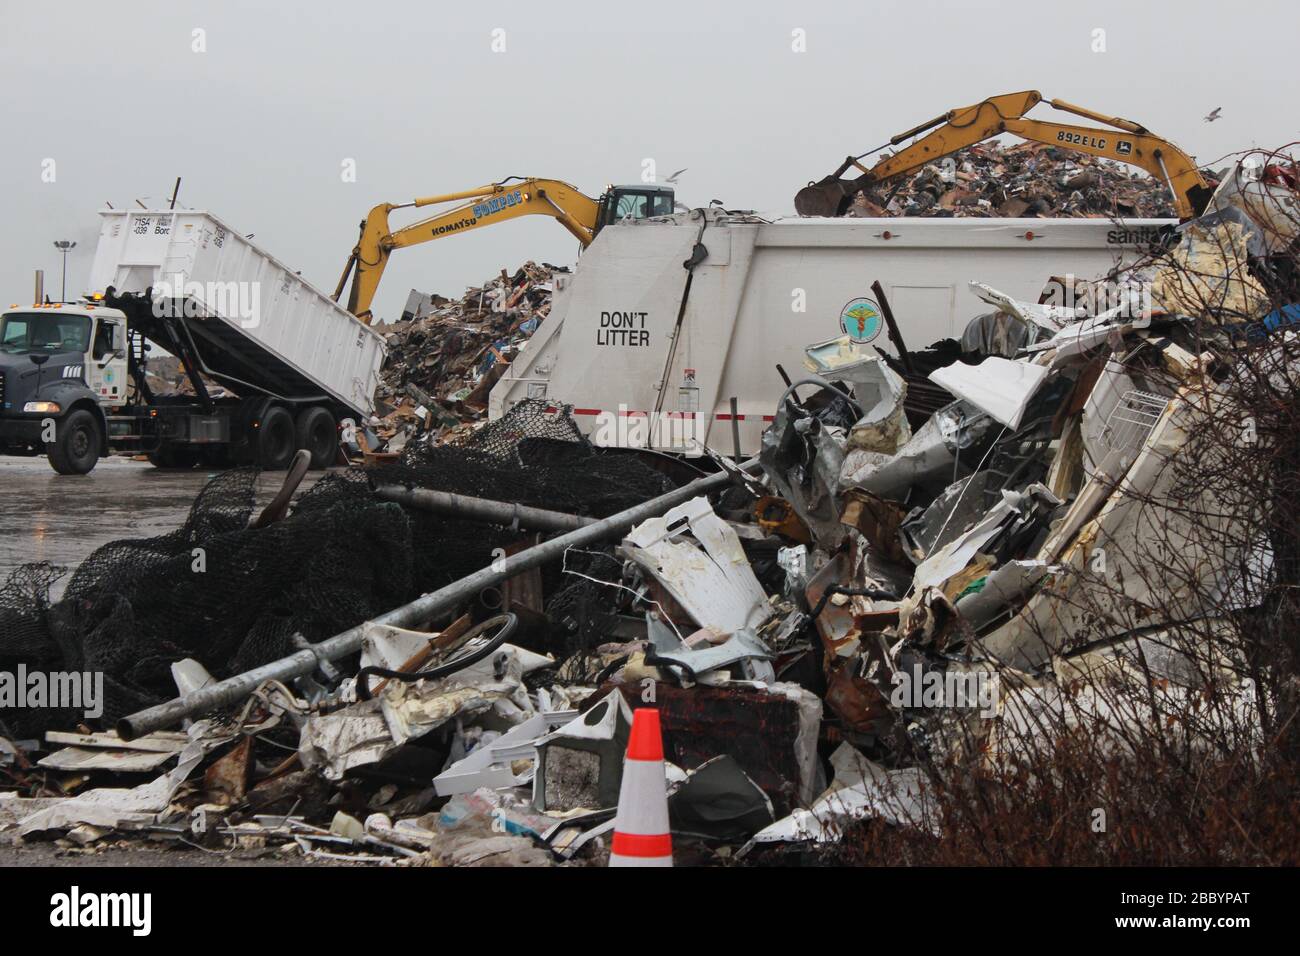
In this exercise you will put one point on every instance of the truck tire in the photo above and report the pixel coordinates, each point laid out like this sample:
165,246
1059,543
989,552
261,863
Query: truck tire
75,448
276,439
318,434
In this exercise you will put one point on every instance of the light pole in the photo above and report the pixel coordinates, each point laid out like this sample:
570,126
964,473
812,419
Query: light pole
63,245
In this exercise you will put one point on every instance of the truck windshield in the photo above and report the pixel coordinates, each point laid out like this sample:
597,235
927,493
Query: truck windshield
44,332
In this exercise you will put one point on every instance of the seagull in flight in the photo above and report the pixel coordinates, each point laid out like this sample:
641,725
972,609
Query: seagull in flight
1214,115
673,177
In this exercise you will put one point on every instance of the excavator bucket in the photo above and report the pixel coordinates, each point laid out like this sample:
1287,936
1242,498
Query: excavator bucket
826,197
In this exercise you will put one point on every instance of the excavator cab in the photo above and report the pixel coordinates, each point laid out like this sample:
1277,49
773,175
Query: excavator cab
502,201
643,201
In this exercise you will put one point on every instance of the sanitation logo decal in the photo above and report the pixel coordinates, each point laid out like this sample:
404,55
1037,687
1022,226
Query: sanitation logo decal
860,320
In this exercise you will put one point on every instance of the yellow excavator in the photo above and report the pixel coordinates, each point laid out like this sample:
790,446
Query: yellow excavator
1125,142
497,202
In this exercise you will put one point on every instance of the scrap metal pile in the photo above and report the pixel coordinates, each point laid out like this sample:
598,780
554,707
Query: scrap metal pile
893,583
445,355
1025,179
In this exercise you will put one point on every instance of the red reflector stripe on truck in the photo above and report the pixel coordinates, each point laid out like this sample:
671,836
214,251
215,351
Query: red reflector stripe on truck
636,844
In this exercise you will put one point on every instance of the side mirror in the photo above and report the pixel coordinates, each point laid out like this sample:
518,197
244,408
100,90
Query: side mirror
39,360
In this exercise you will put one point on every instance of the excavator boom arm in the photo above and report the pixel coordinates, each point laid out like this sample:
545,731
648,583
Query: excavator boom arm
1127,142
485,206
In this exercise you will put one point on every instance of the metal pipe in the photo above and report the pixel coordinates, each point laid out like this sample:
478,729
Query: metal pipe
895,335
234,689
735,429
495,512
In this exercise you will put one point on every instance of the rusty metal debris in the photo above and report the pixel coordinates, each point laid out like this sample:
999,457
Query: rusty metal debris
810,625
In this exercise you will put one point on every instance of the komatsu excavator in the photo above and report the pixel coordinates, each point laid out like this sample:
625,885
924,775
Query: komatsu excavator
1126,142
509,199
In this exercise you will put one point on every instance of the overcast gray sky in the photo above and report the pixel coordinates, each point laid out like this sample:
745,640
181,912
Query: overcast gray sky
260,123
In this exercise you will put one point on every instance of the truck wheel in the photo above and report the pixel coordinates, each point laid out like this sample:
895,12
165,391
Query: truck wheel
318,434
76,446
275,439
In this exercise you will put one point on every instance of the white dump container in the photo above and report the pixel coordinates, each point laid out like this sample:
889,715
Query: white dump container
642,369
283,328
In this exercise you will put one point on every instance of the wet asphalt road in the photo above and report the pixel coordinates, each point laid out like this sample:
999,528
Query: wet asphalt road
63,518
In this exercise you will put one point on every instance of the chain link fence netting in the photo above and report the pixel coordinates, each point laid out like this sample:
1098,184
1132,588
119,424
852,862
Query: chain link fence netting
234,597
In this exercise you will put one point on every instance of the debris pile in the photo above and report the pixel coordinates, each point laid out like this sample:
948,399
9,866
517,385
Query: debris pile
166,376
517,649
445,355
1024,179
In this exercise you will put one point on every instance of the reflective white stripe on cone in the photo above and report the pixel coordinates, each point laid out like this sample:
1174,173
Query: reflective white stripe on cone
641,833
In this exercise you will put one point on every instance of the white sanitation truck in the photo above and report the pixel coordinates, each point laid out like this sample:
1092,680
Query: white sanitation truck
291,363
665,321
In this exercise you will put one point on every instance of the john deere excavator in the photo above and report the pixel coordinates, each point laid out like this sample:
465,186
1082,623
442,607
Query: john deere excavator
1125,142
509,199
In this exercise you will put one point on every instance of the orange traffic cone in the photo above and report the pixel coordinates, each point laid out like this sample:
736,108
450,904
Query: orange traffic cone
641,835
